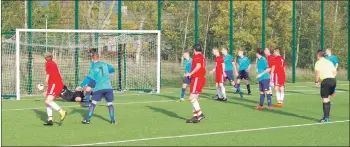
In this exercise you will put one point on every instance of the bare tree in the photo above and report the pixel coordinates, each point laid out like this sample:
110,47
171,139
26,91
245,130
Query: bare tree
207,28
185,35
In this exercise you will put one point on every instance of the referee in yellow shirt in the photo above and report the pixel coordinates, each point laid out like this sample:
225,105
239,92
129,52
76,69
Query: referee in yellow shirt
325,74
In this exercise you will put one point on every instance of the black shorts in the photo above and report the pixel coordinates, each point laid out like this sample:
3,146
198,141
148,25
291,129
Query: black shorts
327,87
242,74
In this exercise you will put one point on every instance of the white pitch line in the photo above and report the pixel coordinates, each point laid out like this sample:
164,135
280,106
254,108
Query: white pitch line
127,103
205,134
115,95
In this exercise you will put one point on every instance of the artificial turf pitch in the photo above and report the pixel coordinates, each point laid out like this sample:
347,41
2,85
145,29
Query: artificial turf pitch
156,119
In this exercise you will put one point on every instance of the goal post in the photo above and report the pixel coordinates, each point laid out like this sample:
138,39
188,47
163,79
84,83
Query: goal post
135,54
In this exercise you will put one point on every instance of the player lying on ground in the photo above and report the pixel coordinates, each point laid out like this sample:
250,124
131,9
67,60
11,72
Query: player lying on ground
279,70
100,72
54,88
243,64
264,79
187,79
70,96
326,72
230,69
334,59
198,80
219,75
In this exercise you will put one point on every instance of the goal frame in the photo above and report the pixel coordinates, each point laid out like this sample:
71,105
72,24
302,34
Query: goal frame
18,78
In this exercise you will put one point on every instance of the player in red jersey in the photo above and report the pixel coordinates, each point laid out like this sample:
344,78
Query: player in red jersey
220,75
279,76
55,86
197,75
270,60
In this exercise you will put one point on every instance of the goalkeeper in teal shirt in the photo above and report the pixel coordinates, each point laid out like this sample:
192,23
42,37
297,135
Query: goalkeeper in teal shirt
100,73
334,59
187,80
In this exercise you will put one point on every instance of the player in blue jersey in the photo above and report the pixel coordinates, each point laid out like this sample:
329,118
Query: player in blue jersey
88,83
100,72
187,79
334,59
264,79
243,65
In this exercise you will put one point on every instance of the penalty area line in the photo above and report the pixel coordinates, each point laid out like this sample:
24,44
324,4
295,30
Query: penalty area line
212,133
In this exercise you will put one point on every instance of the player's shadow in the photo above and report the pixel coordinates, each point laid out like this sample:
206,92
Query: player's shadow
41,114
166,112
168,96
83,113
341,90
270,111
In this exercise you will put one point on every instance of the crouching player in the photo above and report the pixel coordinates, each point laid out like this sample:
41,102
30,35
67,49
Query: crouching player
264,79
198,80
55,86
187,79
219,75
100,72
278,69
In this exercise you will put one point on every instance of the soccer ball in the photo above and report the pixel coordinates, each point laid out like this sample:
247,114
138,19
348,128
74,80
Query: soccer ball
40,86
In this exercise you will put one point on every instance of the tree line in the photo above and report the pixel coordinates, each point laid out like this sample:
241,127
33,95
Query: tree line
178,24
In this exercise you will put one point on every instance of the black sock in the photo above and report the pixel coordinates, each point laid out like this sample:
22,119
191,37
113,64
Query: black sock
248,87
324,110
328,108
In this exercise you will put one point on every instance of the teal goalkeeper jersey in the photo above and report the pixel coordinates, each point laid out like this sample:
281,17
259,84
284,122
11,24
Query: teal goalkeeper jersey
100,72
262,66
243,62
333,59
228,59
188,65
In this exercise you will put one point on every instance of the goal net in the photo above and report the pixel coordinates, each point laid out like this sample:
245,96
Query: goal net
135,54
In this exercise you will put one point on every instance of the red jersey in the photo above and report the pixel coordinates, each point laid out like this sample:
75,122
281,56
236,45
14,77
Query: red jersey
198,59
270,60
219,69
279,64
53,72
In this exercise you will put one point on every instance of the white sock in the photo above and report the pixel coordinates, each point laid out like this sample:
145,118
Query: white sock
223,91
196,107
49,112
193,111
278,95
54,106
218,91
282,96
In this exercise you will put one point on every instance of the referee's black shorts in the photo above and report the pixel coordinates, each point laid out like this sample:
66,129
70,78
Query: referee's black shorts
327,87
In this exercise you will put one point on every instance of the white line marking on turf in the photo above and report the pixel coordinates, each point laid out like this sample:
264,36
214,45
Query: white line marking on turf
126,103
115,95
205,134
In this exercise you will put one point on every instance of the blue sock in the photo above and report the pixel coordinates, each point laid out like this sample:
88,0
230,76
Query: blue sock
262,98
239,88
91,110
111,111
87,97
269,100
183,92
